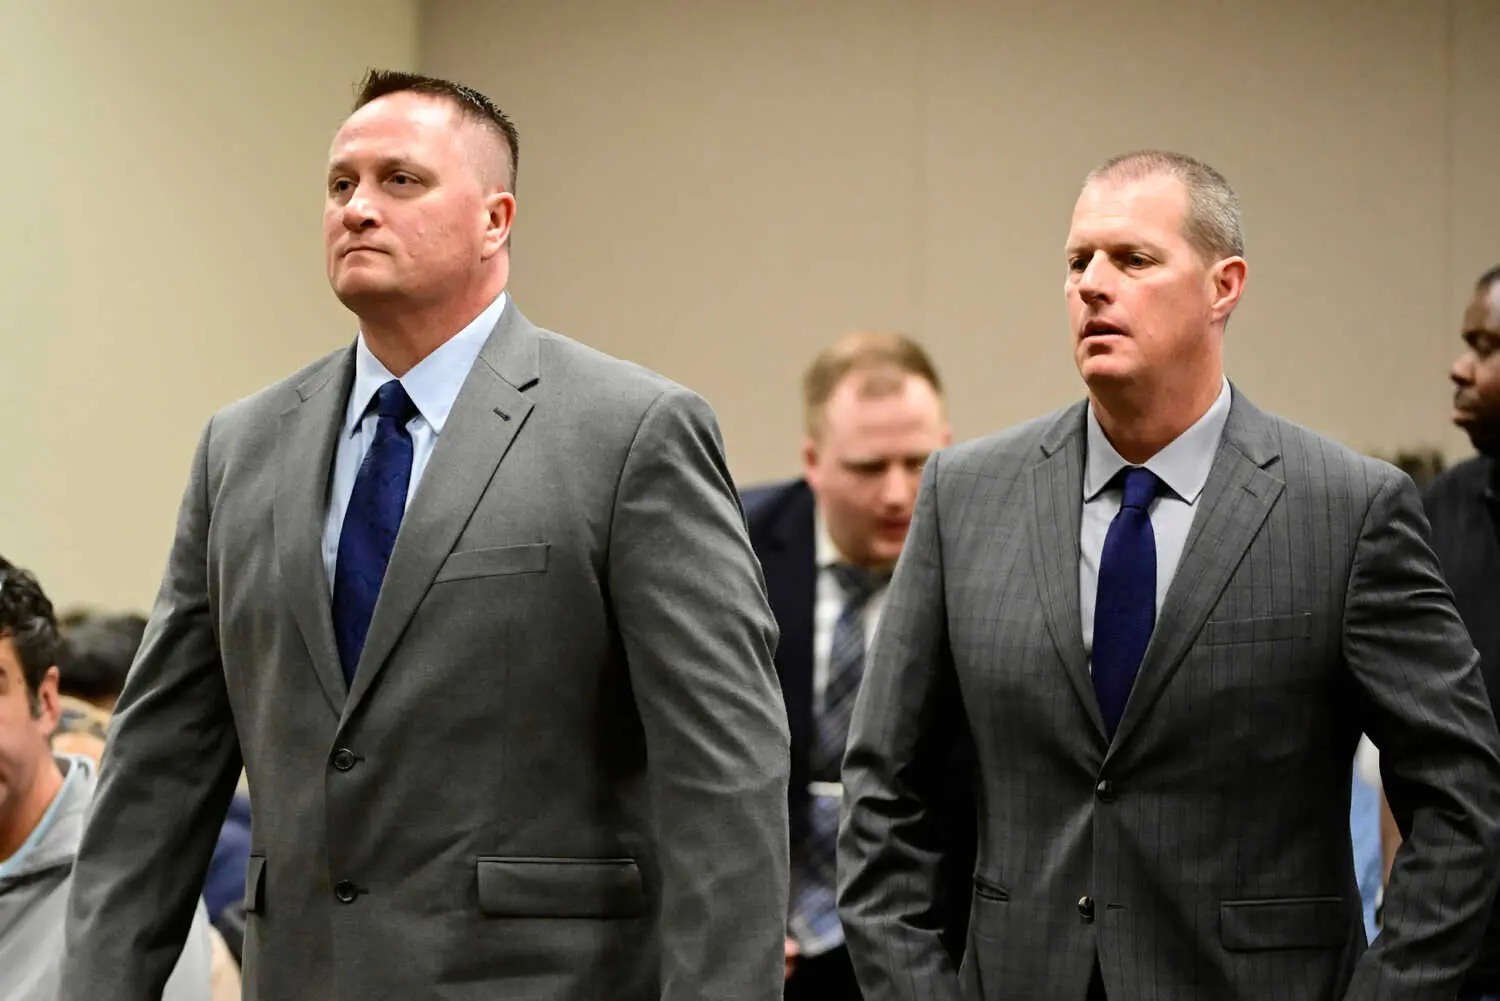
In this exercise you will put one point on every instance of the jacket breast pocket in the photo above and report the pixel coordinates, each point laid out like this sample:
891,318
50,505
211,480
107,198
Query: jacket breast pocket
1266,629
560,888
1287,923
527,558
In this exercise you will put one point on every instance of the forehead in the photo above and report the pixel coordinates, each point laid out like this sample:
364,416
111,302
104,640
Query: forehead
1484,310
886,400
1150,207
403,120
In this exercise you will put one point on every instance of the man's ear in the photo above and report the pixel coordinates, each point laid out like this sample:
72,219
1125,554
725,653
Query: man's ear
1228,279
46,703
500,210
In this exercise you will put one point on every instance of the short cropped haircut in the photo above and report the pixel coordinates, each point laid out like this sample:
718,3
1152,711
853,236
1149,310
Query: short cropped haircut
1213,224
471,104
882,359
28,621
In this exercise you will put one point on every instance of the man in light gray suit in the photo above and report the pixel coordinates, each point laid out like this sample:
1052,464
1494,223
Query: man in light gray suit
476,607
1166,617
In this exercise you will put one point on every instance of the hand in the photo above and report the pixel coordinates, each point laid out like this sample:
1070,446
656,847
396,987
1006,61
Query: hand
793,950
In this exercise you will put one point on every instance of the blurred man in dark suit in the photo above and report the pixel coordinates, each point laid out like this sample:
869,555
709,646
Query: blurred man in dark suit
827,541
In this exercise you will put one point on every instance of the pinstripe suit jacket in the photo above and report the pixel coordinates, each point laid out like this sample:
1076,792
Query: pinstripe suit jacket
1204,852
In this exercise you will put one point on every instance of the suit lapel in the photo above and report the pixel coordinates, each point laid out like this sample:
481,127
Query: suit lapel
1057,509
1240,493
309,433
488,414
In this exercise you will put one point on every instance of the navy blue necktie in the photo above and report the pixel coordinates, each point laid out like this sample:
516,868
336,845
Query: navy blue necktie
1125,607
371,522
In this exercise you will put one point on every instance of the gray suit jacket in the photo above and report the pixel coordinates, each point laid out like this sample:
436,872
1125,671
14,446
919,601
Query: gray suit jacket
561,769
1205,852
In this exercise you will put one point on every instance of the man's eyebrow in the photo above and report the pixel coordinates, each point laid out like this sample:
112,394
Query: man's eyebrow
384,164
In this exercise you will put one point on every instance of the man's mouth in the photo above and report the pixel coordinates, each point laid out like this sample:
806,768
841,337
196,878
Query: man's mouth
1101,328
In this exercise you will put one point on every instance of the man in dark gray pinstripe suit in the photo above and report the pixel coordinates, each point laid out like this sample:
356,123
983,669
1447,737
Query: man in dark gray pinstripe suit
1166,617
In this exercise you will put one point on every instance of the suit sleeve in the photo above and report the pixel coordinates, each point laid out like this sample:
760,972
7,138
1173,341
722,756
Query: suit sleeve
1427,710
169,771
698,637
891,845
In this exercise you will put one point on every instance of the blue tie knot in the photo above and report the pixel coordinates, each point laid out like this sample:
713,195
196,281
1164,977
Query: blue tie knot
859,583
1141,486
391,401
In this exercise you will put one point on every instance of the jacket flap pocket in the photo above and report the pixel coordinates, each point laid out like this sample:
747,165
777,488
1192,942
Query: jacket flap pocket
990,890
560,888
255,878
1293,923
528,558
1263,630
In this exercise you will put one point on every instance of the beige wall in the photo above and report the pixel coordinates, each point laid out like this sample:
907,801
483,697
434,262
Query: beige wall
714,188
160,192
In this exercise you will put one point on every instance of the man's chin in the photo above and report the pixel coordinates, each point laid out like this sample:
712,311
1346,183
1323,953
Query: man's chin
1485,439
1106,373
358,291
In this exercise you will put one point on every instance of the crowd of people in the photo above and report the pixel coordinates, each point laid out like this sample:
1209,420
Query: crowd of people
474,674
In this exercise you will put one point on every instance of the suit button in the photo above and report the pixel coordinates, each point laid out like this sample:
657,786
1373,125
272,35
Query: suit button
345,891
1086,908
1105,790
343,759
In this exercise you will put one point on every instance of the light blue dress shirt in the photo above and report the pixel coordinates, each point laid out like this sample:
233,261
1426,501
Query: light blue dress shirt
1183,466
433,385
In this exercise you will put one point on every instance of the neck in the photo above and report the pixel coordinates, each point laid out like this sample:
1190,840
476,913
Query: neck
16,825
1141,421
1494,471
400,336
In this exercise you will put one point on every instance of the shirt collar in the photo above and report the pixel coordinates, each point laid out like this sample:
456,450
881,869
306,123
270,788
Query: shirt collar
433,383
73,769
824,550
1183,465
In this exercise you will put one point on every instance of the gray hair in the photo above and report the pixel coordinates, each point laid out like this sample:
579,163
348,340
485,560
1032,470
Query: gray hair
1212,225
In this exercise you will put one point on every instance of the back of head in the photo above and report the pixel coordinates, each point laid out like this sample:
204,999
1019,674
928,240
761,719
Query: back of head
96,656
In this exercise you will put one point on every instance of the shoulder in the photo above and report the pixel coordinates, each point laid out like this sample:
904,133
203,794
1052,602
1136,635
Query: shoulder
1006,455
1463,481
259,414
598,381
766,503
1317,473
284,393
1316,467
